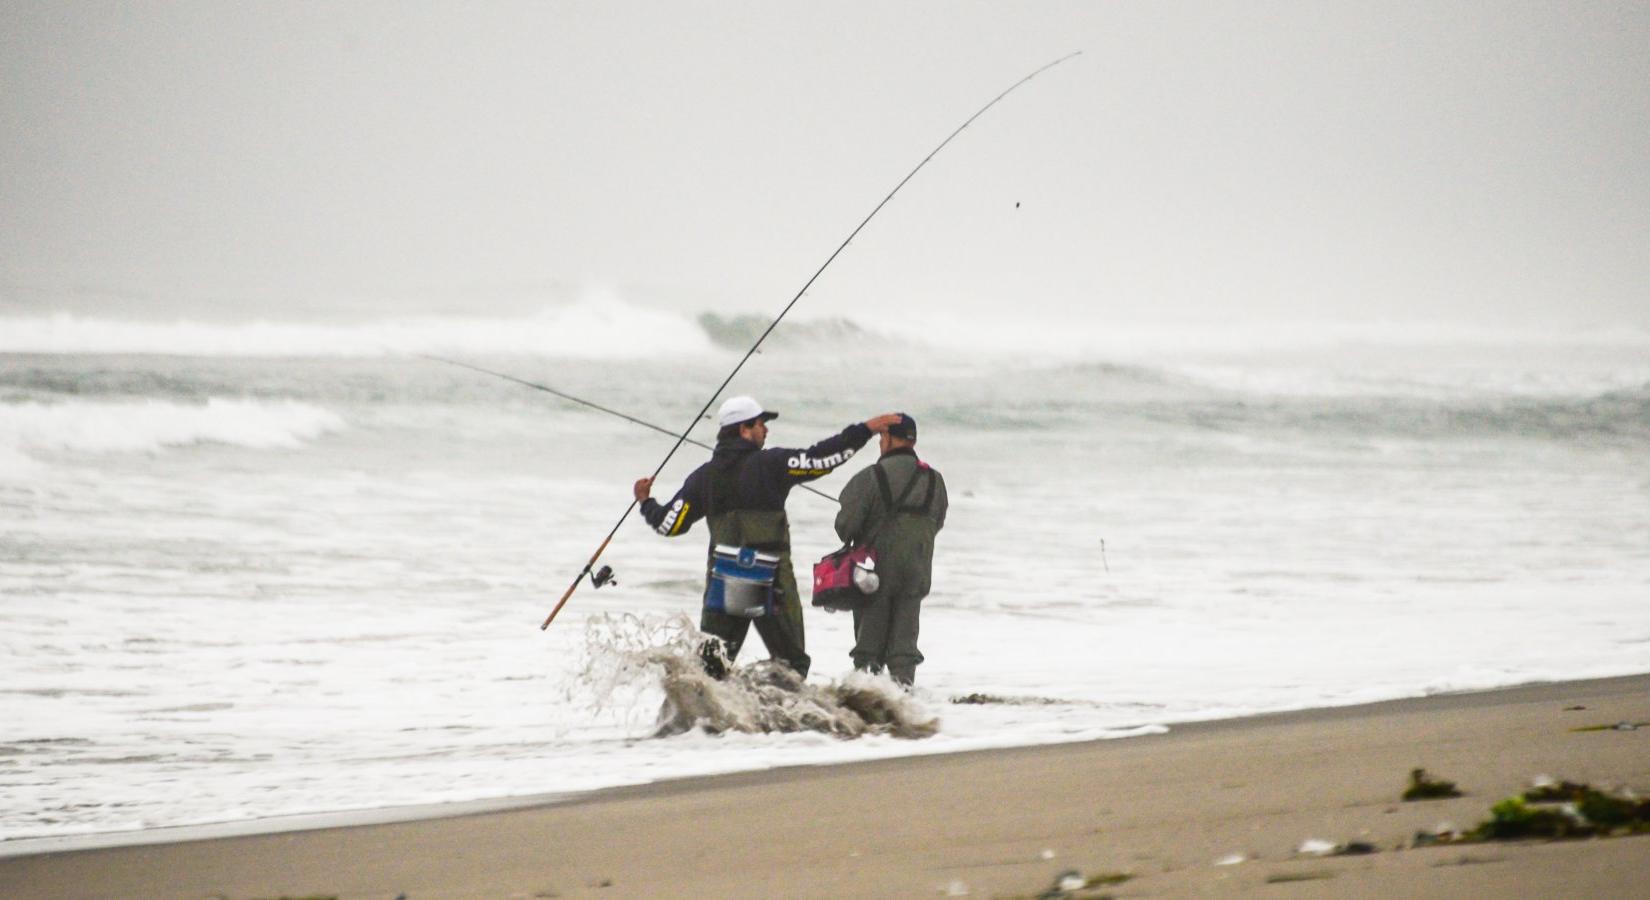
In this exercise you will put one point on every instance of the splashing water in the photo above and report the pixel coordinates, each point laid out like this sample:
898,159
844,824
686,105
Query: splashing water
627,658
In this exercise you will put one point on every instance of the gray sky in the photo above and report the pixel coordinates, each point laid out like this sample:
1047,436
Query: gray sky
1224,161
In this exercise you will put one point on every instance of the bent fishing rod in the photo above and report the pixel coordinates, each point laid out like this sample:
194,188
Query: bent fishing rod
596,406
682,438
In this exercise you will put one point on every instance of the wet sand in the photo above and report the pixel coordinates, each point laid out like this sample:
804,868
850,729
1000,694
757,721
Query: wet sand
1162,809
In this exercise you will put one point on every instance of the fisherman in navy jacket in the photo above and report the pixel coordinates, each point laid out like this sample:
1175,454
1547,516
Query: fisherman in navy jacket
742,491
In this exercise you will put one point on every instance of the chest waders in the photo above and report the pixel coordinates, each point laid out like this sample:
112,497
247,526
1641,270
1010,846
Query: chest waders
766,531
886,631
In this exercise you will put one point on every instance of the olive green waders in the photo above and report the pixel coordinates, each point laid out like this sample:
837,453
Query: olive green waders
885,631
887,635
780,630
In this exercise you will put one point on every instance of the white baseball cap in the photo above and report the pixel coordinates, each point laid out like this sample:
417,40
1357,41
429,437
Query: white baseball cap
741,409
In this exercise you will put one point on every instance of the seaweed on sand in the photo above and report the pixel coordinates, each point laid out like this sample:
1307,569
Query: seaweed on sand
1422,787
1563,810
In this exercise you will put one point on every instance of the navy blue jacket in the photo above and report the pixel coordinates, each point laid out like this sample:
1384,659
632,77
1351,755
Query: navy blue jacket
762,478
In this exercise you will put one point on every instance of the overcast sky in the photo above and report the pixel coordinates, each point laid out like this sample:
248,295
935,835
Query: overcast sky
1220,161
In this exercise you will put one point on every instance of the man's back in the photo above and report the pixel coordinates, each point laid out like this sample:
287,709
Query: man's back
905,540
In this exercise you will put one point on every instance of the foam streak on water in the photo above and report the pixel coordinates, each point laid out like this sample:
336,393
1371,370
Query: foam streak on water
235,587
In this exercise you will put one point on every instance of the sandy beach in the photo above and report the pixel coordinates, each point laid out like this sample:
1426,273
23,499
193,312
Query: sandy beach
1162,810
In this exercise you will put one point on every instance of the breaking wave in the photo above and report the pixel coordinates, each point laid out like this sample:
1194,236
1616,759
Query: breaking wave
629,659
585,330
739,332
153,425
606,330
604,326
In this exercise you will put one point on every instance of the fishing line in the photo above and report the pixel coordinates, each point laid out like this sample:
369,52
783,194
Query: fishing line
596,406
682,438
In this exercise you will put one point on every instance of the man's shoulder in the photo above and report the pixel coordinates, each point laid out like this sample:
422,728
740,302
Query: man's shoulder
775,455
861,483
922,467
863,475
901,462
699,473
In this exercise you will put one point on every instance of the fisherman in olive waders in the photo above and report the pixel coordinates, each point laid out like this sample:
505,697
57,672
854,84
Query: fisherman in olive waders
898,504
742,492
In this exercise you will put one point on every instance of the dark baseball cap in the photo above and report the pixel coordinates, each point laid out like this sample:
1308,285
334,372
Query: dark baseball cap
905,429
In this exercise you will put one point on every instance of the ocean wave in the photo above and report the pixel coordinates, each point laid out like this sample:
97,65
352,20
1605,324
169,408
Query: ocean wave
606,326
586,330
1622,417
1397,376
739,332
153,425
1615,414
1065,339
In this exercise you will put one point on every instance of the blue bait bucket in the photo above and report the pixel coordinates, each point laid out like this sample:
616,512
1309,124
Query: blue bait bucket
741,581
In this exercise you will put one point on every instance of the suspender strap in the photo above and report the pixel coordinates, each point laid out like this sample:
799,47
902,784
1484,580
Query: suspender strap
893,507
882,485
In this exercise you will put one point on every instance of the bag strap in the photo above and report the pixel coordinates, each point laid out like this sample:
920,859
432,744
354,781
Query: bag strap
928,498
893,506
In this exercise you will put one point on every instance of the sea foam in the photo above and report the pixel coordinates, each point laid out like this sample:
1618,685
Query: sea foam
596,329
152,425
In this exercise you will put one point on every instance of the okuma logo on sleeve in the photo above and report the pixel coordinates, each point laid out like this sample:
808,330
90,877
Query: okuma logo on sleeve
803,462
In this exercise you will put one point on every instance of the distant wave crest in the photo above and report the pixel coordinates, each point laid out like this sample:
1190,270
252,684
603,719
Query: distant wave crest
739,332
605,326
586,330
153,425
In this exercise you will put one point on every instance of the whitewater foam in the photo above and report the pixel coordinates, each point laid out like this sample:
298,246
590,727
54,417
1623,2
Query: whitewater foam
149,426
16,466
631,656
1060,340
1329,380
584,330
